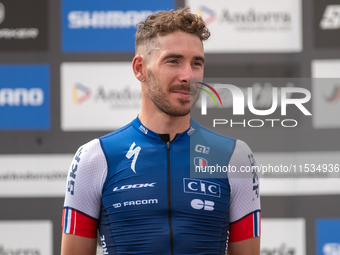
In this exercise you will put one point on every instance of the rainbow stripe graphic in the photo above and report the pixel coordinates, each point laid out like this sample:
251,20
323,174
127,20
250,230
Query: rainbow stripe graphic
209,93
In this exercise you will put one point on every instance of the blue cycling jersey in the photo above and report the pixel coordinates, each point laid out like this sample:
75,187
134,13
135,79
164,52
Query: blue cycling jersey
137,186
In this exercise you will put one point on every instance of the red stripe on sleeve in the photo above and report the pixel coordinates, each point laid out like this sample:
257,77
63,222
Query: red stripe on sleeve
80,224
85,226
245,228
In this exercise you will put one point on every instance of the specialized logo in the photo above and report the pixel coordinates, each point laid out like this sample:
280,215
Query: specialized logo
2,13
199,204
133,152
80,93
331,18
201,187
202,149
334,97
135,186
207,14
200,162
209,93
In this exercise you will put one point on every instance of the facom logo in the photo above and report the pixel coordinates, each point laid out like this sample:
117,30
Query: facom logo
21,97
208,15
334,96
331,18
105,19
80,93
2,13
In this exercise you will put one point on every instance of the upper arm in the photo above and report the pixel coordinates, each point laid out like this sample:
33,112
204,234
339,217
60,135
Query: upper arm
78,245
246,247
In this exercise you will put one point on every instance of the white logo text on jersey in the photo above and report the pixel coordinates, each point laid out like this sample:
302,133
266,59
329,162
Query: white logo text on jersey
331,17
133,152
198,204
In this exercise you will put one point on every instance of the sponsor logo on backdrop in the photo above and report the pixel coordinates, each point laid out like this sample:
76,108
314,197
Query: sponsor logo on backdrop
2,12
23,30
291,233
16,237
98,96
331,17
24,97
104,23
326,93
328,236
207,14
33,175
251,26
327,23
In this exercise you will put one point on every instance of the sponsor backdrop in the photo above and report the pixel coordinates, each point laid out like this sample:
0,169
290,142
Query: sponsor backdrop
66,78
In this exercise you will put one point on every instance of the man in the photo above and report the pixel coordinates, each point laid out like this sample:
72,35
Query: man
134,184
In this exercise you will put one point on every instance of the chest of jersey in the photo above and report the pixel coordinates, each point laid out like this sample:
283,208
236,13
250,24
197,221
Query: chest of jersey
151,205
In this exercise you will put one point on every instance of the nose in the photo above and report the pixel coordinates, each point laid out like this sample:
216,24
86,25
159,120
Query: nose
186,74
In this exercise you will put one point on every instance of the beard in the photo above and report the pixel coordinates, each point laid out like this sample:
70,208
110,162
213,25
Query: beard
160,97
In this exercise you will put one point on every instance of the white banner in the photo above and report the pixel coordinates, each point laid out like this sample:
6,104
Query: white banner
34,175
98,96
300,173
26,237
326,93
283,236
251,26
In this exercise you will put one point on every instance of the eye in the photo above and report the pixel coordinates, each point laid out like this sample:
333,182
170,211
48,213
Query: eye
198,64
172,61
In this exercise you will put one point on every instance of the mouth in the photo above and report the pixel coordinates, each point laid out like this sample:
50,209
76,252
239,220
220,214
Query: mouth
182,94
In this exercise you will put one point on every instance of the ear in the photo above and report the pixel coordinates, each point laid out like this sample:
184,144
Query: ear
139,67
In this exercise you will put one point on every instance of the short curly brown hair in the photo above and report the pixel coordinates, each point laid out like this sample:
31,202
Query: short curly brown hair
163,23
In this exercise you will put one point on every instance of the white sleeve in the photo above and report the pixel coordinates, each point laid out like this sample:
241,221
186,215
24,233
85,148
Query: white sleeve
86,178
244,183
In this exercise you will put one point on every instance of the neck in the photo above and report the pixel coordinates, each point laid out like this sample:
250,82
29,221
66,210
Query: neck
163,123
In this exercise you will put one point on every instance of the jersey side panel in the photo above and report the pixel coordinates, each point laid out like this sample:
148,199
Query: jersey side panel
245,206
85,180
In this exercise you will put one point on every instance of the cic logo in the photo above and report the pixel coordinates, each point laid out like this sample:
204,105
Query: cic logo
2,13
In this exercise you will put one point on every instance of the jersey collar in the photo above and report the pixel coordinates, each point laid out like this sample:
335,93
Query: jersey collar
144,130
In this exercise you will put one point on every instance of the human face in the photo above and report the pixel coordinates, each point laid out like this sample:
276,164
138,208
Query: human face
177,58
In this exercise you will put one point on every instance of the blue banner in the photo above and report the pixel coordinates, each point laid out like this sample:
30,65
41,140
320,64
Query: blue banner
105,26
25,97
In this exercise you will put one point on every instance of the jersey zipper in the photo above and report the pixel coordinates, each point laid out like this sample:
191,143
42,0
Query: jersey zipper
169,198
